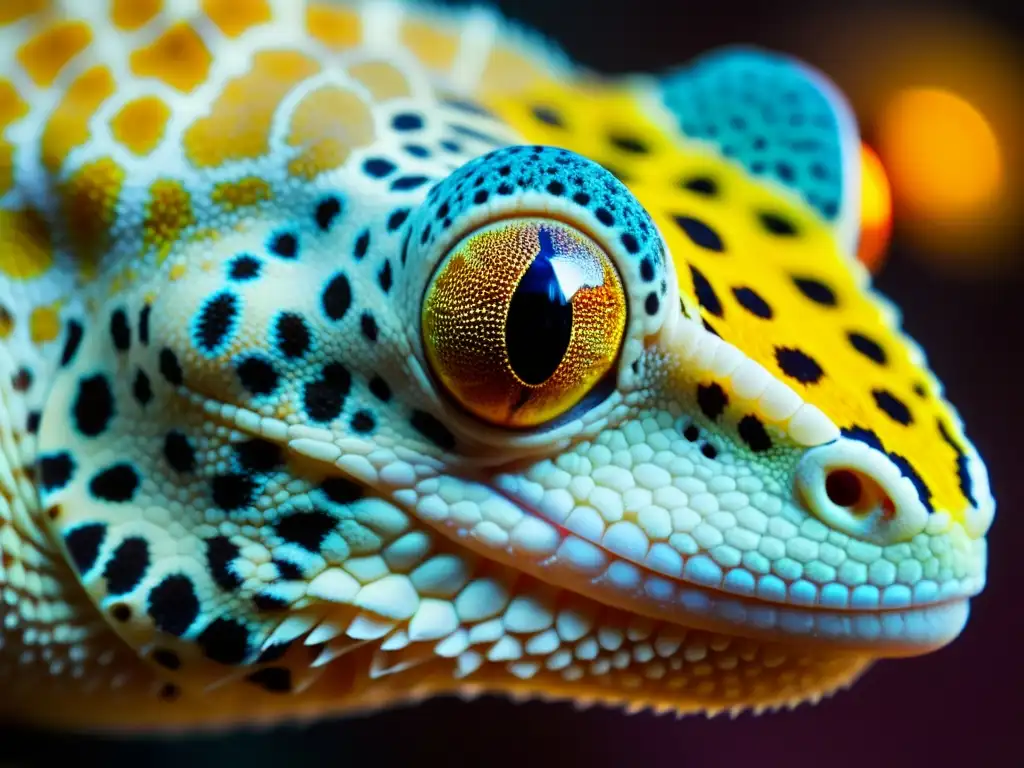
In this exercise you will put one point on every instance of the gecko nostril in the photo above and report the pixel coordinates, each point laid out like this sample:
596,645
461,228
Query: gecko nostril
844,488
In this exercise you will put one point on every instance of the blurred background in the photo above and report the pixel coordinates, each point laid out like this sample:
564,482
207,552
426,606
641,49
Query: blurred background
937,88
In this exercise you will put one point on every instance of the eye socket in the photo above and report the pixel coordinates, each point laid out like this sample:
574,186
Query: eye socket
522,318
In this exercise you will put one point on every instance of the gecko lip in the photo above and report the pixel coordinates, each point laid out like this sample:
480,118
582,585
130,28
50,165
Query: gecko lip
637,587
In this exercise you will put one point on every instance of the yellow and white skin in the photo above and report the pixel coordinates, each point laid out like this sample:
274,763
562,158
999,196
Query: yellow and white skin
357,353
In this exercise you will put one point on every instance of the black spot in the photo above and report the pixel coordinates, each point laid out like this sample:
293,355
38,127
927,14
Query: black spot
538,325
363,422
337,297
307,529
892,406
258,455
702,185
285,245
362,244
32,422
691,433
865,436
244,267
479,198
225,641
777,224
867,347
94,405
548,116
700,233
505,188
287,570
55,471
127,566
121,612
581,198
751,301
646,270
605,216
170,369
272,679
72,342
630,243
216,319
753,433
630,144
120,333
966,485
432,429
709,450
924,493
556,188
178,452
324,398
116,484
798,365
378,167
84,544
169,692
22,380
816,291
705,293
144,315
416,150
141,388
712,400
233,491
264,601
384,277
293,336
407,121
167,659
406,183
342,490
380,389
652,303
919,390
257,375
220,553
173,604
397,219
710,328
368,326
327,211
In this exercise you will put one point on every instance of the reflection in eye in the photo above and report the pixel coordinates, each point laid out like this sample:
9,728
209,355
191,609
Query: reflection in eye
522,318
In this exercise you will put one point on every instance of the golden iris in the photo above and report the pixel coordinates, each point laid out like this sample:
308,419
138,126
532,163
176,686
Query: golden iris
522,318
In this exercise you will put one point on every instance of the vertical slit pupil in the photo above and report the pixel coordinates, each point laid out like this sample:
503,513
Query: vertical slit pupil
539,323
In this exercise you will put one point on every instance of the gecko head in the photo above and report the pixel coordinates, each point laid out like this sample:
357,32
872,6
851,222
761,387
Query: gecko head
385,408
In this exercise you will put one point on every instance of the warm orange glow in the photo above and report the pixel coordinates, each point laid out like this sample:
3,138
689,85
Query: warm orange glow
941,154
875,210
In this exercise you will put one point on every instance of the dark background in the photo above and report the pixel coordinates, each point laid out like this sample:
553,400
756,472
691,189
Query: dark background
959,706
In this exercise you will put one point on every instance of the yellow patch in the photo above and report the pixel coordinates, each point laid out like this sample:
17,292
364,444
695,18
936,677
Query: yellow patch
140,124
44,324
176,272
168,213
68,126
238,125
231,195
234,17
131,14
6,322
45,55
13,10
178,58
384,81
6,167
434,46
327,124
508,70
89,203
818,319
12,108
334,27
25,248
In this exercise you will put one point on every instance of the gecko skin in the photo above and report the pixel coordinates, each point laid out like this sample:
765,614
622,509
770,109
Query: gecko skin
353,354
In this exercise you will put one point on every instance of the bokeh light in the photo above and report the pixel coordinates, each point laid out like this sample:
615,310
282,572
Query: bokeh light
941,153
875,210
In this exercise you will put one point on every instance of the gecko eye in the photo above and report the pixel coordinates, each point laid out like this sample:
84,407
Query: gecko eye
521,319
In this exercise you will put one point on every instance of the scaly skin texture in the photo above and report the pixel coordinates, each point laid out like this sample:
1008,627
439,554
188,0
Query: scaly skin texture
234,489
